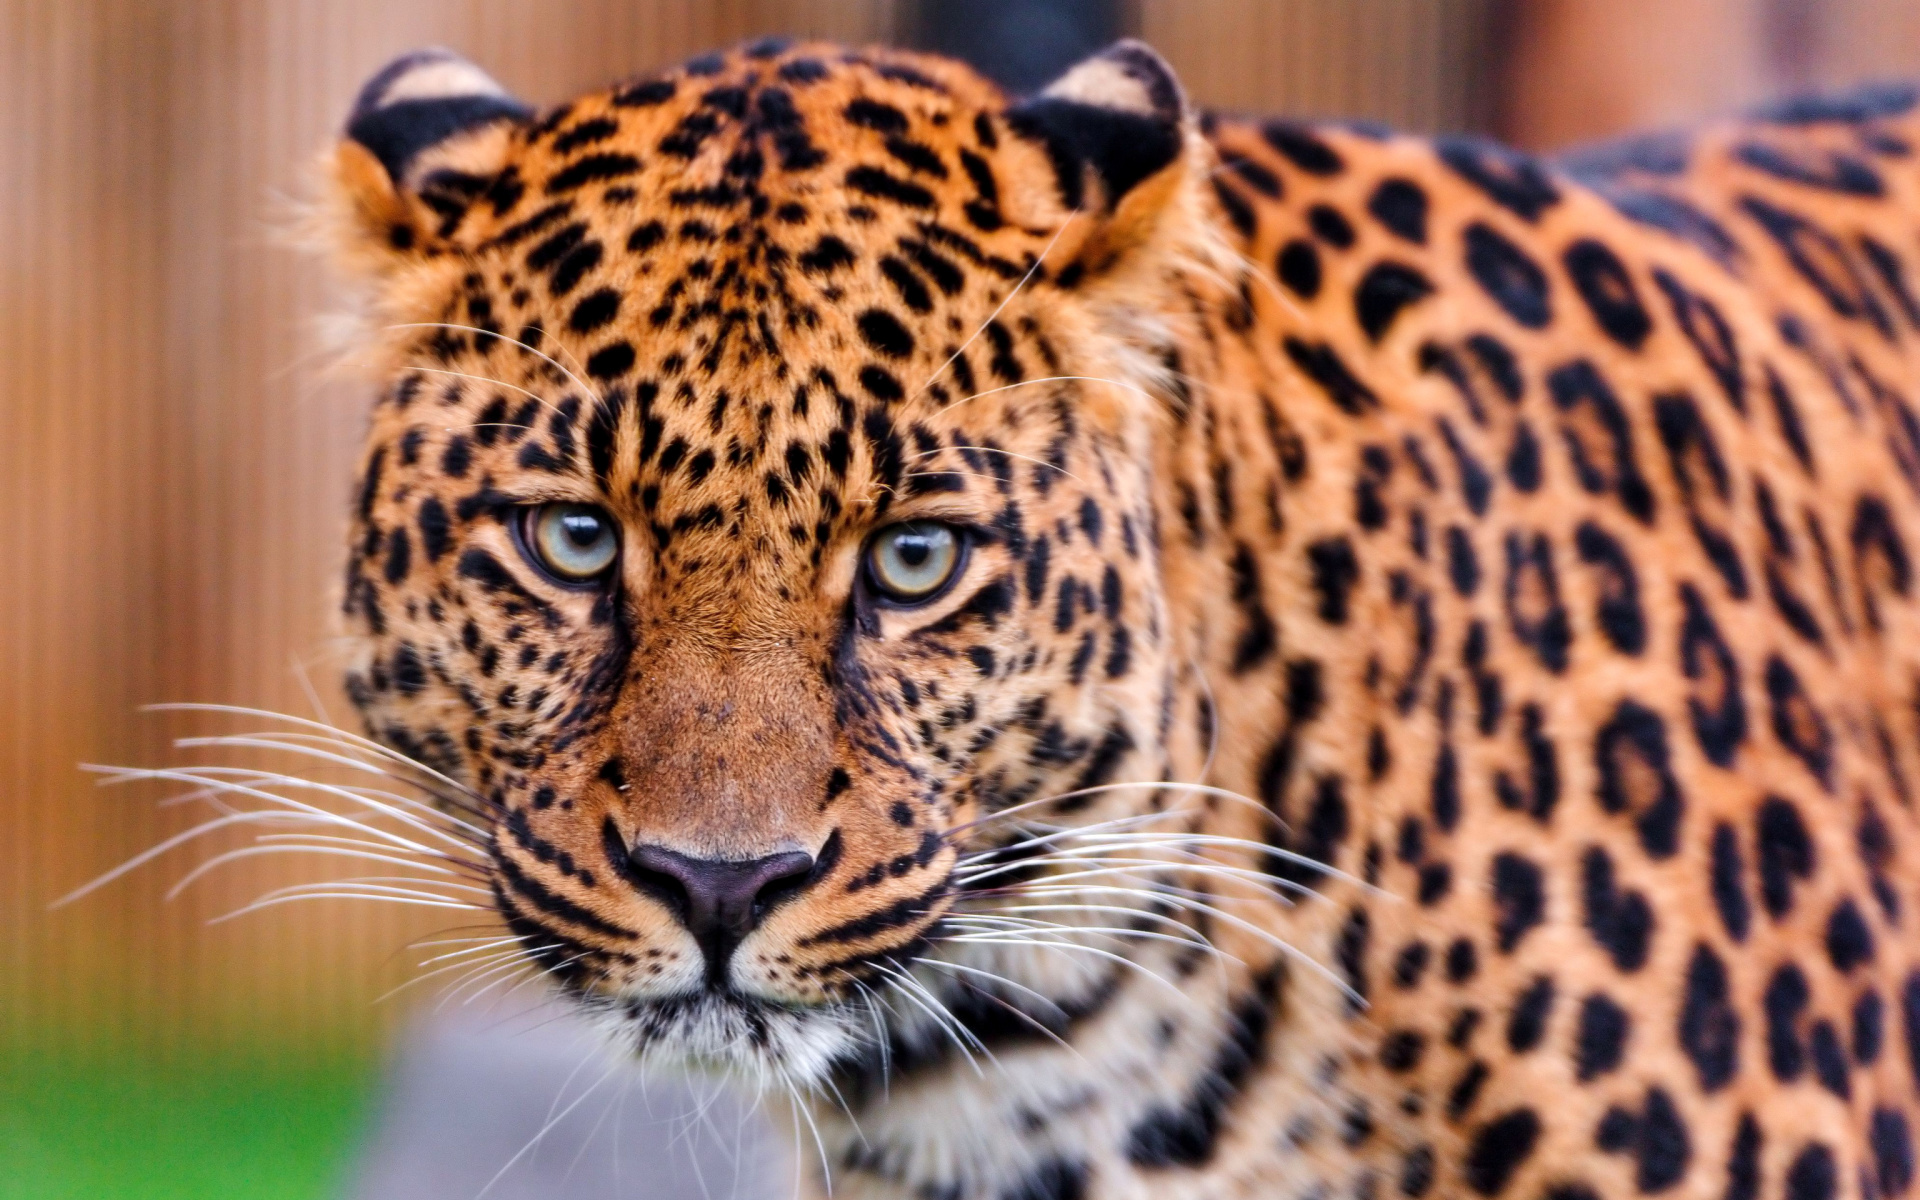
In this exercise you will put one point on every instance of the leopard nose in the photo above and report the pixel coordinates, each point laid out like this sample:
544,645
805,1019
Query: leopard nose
720,901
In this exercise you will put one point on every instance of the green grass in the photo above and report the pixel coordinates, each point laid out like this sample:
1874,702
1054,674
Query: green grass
125,1129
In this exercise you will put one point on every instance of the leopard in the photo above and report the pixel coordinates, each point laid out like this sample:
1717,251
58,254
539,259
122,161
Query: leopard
1093,649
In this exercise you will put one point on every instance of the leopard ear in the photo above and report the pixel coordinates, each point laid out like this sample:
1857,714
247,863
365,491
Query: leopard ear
1120,138
427,135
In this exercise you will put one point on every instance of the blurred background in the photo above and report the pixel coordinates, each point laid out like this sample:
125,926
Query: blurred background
174,468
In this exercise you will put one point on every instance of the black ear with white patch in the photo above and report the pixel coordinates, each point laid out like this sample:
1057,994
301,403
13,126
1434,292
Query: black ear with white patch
426,136
423,101
1111,123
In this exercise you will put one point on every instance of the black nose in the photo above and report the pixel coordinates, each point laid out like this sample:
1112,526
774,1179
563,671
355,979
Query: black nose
719,901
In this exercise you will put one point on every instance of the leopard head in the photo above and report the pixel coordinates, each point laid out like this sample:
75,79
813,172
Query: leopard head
757,510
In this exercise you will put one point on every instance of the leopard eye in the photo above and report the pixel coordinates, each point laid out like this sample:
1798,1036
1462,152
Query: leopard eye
575,543
913,561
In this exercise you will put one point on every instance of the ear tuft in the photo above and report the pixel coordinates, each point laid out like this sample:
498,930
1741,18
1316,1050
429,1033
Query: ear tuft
424,100
1111,122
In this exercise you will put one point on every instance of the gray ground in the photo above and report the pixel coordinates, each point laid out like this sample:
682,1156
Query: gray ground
467,1093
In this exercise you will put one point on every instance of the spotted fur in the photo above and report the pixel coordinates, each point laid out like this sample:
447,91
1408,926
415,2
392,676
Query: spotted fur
1520,554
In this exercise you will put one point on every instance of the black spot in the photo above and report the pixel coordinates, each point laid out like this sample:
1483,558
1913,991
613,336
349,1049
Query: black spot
1880,556
1869,1027
649,94
1729,882
1386,289
435,528
1620,920
1330,227
1820,259
1797,723
456,458
1618,611
1813,1175
1636,776
1463,566
593,168
1463,961
1186,1136
1712,338
1855,105
1259,635
1301,147
874,115
1515,181
1298,266
1601,1040
1320,364
1658,154
1598,436
1523,460
1253,174
1476,484
1498,1149
1829,1059
1417,1172
1321,834
1849,940
1053,1179
872,181
1410,965
1350,955
1239,212
409,673
1527,1023
1401,206
1787,413
1709,1024
1892,1142
881,384
1514,281
1702,477
611,361
1335,570
1656,1137
1718,711
1603,282
1401,1050
1743,1161
399,554
1519,898
1785,999
1445,791
1533,604
595,310
828,254
882,331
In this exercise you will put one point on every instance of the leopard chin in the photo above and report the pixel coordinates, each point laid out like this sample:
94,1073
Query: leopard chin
764,1045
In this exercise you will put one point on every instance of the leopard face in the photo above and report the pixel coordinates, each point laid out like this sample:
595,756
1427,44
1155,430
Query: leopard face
755,503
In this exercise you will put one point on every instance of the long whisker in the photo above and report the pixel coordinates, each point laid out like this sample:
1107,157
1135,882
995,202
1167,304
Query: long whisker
256,851
999,308
1119,383
329,731
554,363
